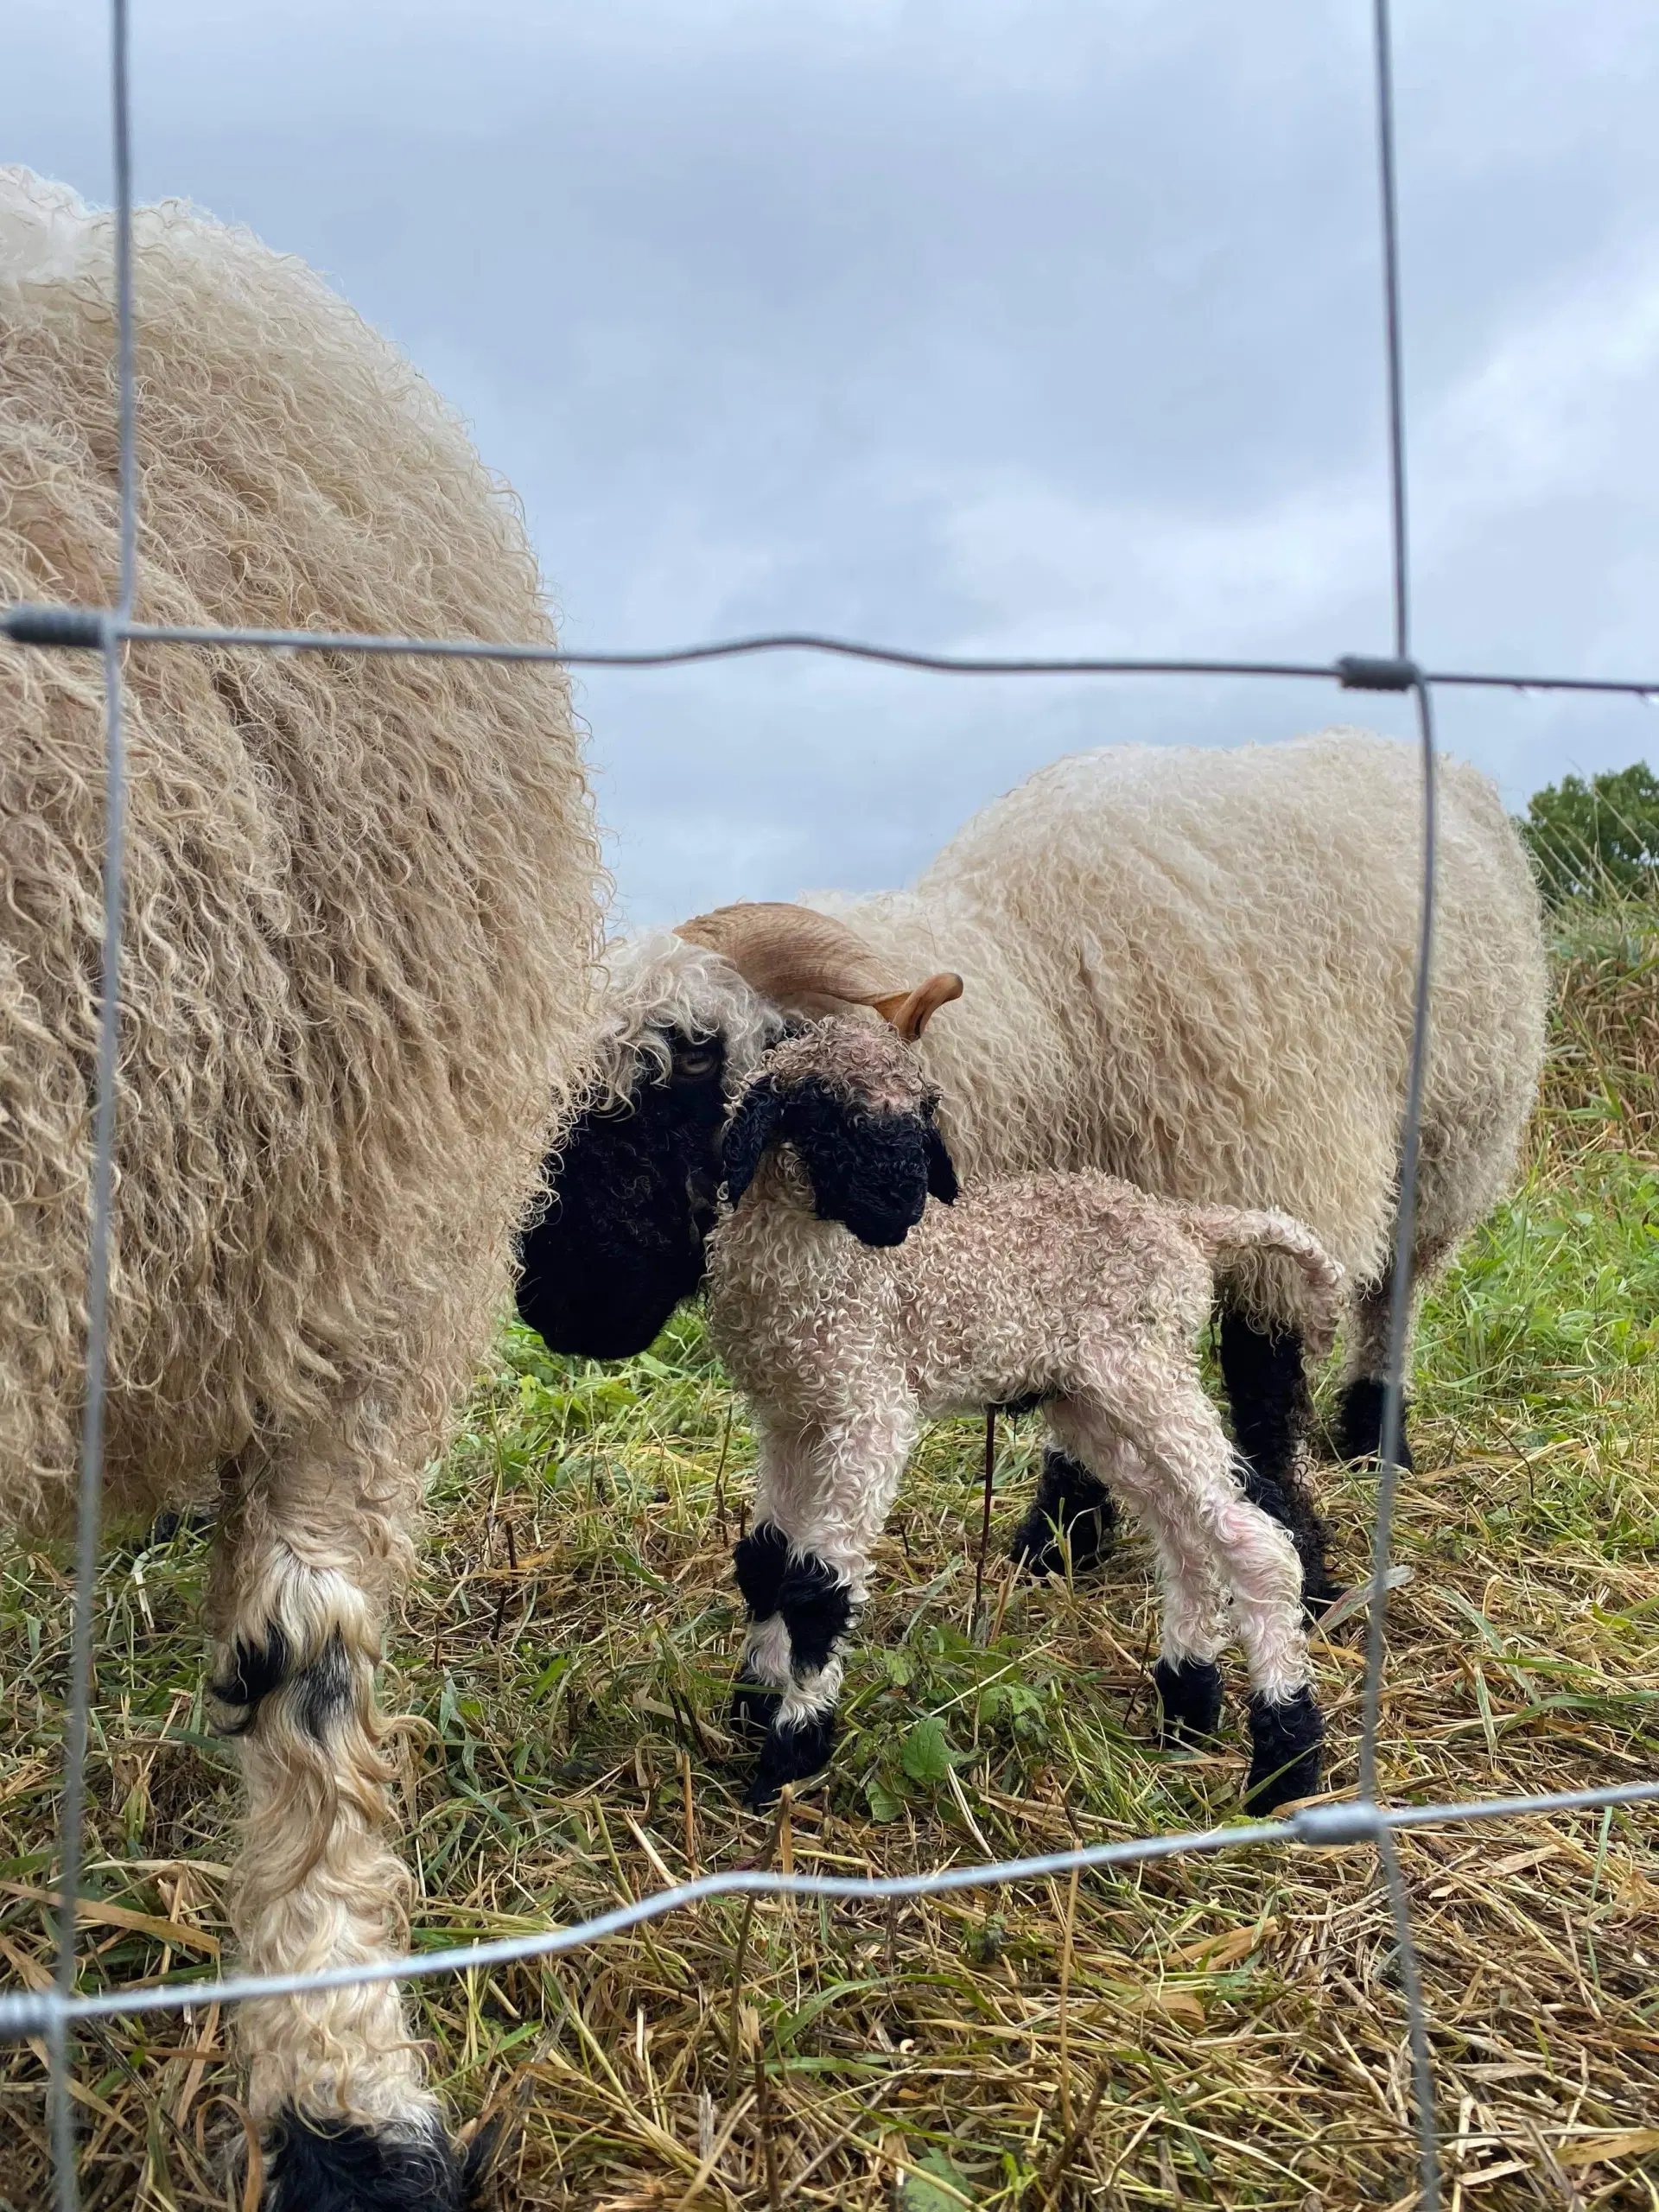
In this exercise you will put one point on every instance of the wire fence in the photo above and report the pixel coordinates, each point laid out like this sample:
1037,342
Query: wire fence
52,2014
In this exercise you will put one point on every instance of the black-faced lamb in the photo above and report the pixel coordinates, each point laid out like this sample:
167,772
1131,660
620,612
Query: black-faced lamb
1191,969
360,924
848,1310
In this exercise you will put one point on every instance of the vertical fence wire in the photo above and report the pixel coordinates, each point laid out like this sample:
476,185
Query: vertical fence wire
1390,1443
79,1700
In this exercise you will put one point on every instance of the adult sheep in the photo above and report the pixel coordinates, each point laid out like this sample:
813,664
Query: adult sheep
360,920
1192,970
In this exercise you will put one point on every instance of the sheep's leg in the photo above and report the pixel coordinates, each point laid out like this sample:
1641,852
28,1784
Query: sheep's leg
822,1497
1266,1375
315,1540
1195,1625
1073,1511
1190,1468
1359,1423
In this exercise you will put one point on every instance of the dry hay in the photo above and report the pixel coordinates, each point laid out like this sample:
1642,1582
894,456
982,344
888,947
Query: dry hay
1224,2031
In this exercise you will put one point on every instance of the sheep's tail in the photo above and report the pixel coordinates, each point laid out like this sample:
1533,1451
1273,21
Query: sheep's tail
1243,1247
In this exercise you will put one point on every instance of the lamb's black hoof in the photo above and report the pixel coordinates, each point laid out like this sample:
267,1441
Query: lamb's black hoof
1189,1697
1359,1424
792,1752
1284,1737
1069,1501
753,1709
316,2165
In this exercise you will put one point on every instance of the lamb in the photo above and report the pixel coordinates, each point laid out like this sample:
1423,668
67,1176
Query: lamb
848,1309
1191,969
361,923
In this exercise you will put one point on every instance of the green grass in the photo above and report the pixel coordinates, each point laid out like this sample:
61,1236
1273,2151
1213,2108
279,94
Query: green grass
1235,2021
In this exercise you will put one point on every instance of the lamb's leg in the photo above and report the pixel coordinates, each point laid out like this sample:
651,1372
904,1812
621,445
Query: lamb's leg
316,1538
1195,1625
822,1497
1189,1465
1266,1375
1072,1511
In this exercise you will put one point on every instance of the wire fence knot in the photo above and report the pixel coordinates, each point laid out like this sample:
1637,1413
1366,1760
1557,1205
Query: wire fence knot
1377,672
27,624
1326,1827
25,2012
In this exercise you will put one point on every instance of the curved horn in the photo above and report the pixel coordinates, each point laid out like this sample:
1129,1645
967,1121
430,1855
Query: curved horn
810,963
910,1012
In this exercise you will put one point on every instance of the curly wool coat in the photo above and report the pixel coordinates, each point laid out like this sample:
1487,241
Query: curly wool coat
848,1309
360,918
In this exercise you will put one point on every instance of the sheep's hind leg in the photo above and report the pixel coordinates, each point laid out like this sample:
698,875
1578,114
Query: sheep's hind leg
1195,1625
1359,1423
821,1499
315,1540
1266,1375
1073,1511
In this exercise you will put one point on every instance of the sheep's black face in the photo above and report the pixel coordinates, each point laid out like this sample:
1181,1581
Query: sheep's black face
874,1171
621,1243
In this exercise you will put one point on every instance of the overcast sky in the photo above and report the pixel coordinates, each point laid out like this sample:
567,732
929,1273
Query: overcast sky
981,325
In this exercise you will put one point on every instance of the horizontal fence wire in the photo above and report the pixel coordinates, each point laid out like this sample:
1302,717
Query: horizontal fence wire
27,624
52,2014
1340,1825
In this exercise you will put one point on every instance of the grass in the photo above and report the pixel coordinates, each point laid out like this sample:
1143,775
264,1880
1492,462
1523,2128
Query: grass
1224,2031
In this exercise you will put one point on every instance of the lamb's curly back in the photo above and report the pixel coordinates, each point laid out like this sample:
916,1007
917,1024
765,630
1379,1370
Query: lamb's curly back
360,904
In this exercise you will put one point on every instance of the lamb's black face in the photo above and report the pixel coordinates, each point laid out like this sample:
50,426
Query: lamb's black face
621,1243
871,1170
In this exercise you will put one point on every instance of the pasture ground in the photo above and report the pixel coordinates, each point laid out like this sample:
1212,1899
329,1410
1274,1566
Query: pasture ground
1224,2031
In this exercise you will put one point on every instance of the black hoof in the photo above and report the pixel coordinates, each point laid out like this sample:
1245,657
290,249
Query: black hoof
753,1709
198,1520
315,2165
1072,1503
791,1754
1189,1697
1285,1739
1359,1424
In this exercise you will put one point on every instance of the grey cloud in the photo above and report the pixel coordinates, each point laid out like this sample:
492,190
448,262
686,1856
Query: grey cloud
982,327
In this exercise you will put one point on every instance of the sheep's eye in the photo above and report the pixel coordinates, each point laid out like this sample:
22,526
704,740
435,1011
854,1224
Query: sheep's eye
696,1061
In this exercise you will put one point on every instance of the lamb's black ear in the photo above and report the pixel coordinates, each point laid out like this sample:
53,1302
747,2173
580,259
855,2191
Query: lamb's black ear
942,1182
751,1129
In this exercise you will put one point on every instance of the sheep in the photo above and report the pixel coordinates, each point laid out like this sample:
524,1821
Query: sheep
361,925
1191,969
847,1309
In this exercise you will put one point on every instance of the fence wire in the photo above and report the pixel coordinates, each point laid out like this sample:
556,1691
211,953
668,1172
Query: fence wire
52,2014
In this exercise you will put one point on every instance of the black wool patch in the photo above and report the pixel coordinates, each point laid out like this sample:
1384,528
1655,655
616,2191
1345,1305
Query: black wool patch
1359,1424
634,1195
790,1754
1285,1739
323,1690
1266,1377
761,1559
256,1670
1073,1503
754,1708
329,2165
1189,1697
816,1608
869,1171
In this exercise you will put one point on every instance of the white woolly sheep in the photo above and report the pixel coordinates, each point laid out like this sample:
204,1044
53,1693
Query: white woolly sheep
360,924
1190,969
847,1309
